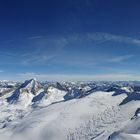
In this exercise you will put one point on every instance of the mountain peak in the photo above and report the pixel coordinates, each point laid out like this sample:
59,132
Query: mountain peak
29,87
34,79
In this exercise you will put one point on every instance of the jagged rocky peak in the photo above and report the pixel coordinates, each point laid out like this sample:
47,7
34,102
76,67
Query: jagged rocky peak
31,85
26,90
61,86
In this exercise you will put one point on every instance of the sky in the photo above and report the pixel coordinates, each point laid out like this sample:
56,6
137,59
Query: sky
70,40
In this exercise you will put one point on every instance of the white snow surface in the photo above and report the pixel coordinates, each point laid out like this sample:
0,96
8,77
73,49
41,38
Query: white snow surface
94,117
53,95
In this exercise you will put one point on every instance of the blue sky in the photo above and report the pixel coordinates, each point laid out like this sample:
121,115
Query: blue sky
70,39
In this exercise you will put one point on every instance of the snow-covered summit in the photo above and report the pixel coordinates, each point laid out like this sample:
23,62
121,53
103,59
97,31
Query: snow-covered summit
25,91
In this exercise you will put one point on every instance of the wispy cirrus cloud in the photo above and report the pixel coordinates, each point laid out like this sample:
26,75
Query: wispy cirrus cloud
120,58
104,37
38,59
48,48
95,37
99,38
8,54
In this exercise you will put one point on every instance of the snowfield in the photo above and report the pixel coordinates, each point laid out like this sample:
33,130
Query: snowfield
39,113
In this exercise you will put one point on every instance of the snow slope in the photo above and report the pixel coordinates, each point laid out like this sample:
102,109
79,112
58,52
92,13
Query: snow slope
52,95
131,131
70,112
93,117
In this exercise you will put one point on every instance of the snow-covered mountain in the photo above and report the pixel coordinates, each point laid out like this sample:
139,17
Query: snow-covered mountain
70,111
8,83
25,92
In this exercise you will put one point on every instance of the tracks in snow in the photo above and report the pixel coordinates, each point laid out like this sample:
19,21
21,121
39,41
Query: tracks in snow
108,119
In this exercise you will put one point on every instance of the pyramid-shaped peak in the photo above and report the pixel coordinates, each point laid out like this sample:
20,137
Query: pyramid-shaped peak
31,85
34,79
29,88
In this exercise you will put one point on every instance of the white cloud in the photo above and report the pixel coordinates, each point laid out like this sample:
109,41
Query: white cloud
47,49
1,71
120,58
38,59
70,77
97,37
103,37
8,54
